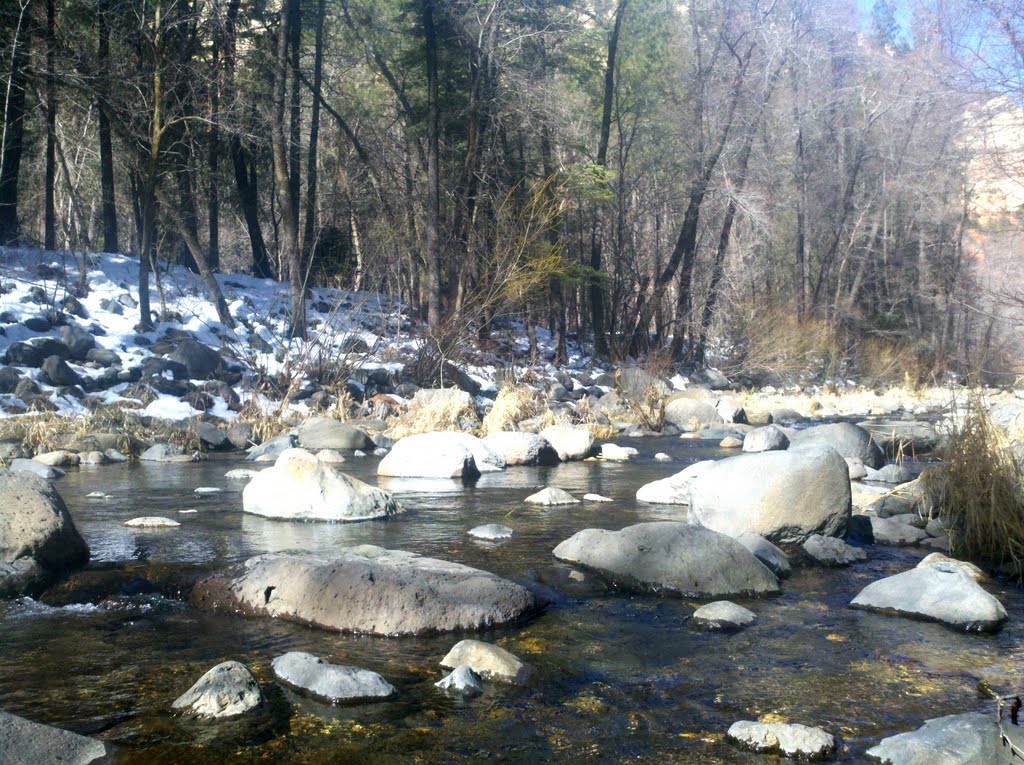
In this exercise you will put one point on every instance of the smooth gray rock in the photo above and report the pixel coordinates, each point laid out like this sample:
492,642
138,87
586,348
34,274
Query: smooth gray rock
690,414
161,452
783,496
440,455
33,467
638,384
846,438
57,372
103,357
724,615
201,361
674,490
785,416
301,487
492,532
271,449
672,557
227,690
941,592
487,660
551,496
462,681
768,438
23,742
888,474
771,556
38,539
830,551
211,436
887,531
78,341
328,433
369,589
333,682
570,443
788,739
966,739
520,448
909,437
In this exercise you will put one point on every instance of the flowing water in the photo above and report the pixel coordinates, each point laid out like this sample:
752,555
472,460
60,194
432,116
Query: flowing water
616,678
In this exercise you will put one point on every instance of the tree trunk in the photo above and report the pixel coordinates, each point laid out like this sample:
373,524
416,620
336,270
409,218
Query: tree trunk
50,181
314,135
597,235
108,203
11,140
213,157
433,213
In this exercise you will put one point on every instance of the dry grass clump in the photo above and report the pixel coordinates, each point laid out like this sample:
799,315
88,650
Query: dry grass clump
265,423
979,489
771,340
513,404
891,362
427,415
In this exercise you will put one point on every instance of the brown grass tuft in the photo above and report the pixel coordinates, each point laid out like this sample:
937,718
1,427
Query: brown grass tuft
513,404
430,415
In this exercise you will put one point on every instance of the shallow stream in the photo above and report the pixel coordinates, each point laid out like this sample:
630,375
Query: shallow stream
616,678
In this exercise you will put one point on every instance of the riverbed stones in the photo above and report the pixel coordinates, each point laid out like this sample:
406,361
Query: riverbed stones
492,532
846,438
227,690
33,467
730,442
38,539
329,433
724,615
887,531
674,490
490,661
964,739
368,589
771,556
768,438
672,557
551,496
570,443
23,742
521,448
162,453
788,739
462,681
333,682
784,496
830,551
301,487
151,522
940,592
57,372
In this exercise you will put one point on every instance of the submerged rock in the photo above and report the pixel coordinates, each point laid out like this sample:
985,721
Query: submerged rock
940,592
487,660
784,496
724,615
333,682
672,557
462,681
829,551
552,496
151,522
492,532
23,742
788,739
227,690
370,590
301,487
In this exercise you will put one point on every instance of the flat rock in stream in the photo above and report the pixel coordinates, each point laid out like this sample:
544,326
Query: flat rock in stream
941,592
23,742
368,589
333,682
966,739
788,739
487,660
227,690
670,556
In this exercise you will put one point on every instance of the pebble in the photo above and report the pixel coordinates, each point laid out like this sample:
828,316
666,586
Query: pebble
151,522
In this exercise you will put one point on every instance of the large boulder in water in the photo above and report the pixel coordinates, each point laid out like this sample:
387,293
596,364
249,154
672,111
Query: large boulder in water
689,414
674,490
938,593
23,742
783,496
369,589
227,690
849,440
38,539
672,557
967,739
570,442
328,433
301,487
520,448
440,455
